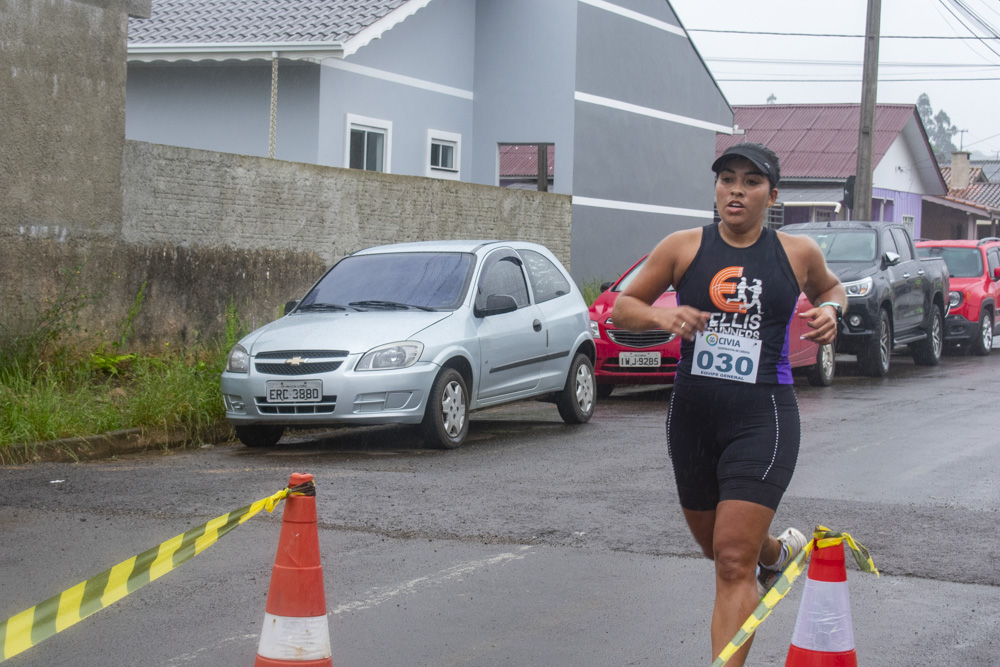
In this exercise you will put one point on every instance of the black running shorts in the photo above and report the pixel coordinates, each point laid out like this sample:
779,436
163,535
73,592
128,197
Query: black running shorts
732,441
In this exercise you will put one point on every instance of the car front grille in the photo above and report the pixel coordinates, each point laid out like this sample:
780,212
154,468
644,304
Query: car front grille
324,407
640,338
299,362
301,369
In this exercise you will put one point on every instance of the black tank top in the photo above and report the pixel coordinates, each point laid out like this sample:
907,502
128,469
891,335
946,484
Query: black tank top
751,294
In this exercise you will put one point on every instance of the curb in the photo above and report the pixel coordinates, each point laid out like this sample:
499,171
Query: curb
111,444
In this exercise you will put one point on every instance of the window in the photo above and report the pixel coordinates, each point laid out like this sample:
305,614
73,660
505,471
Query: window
547,281
502,275
903,244
909,222
993,257
368,144
444,151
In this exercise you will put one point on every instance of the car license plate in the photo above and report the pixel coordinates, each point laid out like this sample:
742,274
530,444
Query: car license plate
639,359
302,391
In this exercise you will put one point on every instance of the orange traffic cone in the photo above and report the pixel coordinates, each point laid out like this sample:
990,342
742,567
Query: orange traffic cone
823,635
296,632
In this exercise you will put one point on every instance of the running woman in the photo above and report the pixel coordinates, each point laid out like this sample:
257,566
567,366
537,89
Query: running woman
733,422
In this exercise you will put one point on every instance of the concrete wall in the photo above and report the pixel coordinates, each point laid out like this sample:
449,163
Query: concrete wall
204,231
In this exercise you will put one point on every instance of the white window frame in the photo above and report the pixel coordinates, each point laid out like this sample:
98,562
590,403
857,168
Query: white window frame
442,137
910,221
356,122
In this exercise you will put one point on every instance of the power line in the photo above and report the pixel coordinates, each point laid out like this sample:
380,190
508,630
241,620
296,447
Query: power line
857,80
817,34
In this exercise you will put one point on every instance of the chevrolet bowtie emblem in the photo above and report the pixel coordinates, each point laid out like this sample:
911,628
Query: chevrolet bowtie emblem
295,361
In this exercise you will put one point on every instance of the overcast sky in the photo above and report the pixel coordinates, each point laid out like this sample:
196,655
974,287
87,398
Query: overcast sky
825,62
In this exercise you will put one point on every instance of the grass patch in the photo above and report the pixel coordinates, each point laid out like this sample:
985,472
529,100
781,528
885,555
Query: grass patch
49,391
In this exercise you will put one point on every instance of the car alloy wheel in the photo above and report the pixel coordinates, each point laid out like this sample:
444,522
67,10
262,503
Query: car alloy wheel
576,400
983,344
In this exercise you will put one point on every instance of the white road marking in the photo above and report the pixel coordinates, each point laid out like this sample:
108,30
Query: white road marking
377,596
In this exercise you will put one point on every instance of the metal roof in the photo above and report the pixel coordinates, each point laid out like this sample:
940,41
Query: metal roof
521,160
792,195
816,140
222,29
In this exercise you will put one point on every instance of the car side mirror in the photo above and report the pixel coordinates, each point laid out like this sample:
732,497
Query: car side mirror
289,307
497,304
890,258
996,273
605,286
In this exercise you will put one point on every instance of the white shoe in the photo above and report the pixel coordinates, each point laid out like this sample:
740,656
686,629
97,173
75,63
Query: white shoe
766,576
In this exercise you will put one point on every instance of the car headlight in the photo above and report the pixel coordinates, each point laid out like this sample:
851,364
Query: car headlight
238,360
954,299
859,287
595,329
391,356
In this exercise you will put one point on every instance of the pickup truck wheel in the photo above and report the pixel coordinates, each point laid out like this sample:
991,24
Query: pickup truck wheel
820,374
259,435
983,343
928,351
874,359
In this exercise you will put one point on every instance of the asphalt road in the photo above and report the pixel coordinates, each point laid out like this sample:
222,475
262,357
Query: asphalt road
536,543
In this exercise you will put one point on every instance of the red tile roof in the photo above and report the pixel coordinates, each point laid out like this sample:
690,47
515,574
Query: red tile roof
816,140
520,160
983,195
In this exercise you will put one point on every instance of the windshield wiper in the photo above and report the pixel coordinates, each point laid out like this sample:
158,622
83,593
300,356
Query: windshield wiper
323,306
395,305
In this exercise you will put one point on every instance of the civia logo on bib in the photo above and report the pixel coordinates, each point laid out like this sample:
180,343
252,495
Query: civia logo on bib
732,293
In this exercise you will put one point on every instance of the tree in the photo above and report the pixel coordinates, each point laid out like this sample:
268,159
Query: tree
938,127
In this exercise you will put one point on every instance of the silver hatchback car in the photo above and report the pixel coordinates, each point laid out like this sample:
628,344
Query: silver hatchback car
417,333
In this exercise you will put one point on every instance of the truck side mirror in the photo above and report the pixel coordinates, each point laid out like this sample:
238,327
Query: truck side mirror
890,258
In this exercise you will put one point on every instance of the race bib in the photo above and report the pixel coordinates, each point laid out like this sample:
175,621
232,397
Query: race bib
726,357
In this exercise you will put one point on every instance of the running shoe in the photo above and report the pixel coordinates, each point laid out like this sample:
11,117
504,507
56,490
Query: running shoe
766,576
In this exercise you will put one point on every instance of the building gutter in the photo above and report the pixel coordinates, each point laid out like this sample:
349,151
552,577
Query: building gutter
310,51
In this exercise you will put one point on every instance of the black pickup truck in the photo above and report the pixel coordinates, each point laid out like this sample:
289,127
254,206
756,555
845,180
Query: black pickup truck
894,296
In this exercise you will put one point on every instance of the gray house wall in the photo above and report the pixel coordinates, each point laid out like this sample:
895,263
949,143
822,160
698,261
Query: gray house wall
525,71
435,47
225,108
655,171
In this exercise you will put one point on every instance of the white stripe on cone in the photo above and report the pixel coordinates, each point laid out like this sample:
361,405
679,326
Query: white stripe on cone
294,638
824,622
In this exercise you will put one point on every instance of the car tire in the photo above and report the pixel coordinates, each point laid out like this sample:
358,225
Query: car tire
259,435
927,352
982,345
874,358
821,373
576,400
605,390
446,418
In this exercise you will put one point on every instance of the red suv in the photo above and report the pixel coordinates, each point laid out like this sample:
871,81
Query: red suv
974,268
650,357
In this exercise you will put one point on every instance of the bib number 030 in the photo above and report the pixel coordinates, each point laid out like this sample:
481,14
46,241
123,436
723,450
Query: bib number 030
726,357
725,363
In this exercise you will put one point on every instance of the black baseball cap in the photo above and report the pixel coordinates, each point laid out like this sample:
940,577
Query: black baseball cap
755,153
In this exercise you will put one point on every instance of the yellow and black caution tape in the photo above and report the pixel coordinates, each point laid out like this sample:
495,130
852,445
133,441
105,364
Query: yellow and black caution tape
822,537
22,631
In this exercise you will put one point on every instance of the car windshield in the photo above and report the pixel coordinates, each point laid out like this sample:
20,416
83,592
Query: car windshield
395,281
844,245
630,276
962,262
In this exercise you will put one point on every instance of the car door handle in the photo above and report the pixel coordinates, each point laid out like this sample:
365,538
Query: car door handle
536,325
906,275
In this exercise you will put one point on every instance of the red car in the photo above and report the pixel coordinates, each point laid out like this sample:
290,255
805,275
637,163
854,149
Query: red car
974,270
650,357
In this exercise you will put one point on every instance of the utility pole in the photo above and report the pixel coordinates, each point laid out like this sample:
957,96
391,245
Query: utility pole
866,132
